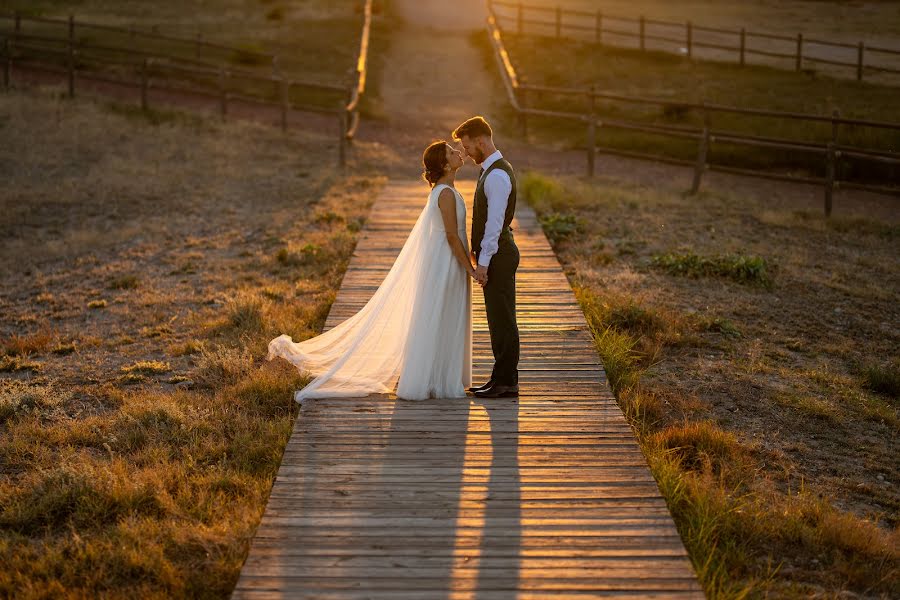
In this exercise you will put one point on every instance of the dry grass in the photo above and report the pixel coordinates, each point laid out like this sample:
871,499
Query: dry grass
139,441
768,413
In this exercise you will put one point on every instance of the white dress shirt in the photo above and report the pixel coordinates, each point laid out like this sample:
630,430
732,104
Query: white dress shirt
497,188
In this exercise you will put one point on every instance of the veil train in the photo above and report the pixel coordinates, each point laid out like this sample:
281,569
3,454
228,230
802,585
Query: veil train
402,329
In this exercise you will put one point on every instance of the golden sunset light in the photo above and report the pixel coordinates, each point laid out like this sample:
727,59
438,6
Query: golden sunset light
429,300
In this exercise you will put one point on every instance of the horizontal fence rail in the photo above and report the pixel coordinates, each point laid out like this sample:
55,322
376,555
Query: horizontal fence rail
830,153
77,56
686,38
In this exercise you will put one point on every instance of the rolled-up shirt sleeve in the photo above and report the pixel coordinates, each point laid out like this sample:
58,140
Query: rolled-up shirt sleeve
497,188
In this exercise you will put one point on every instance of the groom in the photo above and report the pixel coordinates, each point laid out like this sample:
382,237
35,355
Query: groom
494,253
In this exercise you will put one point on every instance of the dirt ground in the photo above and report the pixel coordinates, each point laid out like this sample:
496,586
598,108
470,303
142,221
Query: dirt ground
156,233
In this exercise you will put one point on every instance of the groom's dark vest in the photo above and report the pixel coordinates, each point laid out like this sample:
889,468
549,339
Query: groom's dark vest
480,208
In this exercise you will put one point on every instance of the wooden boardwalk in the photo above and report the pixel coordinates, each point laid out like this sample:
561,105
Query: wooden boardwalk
544,496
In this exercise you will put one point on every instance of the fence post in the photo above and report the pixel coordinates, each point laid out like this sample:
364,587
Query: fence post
702,151
280,81
18,21
558,22
642,32
520,21
829,178
592,134
197,44
799,61
71,56
523,102
342,145
860,53
743,46
223,95
145,65
7,61
285,103
689,41
598,35
831,163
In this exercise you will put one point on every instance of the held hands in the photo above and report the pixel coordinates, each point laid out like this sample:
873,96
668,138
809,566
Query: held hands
477,272
481,275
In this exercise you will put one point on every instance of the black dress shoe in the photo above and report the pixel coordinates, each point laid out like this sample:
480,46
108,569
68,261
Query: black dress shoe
481,387
498,391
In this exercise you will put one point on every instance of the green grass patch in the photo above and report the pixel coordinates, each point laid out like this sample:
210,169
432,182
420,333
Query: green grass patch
883,379
560,226
737,267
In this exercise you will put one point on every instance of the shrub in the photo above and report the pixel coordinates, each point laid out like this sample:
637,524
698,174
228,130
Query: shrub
222,366
124,282
245,313
541,192
883,379
560,226
17,397
738,267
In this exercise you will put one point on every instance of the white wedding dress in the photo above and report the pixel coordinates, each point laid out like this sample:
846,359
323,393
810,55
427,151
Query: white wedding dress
415,332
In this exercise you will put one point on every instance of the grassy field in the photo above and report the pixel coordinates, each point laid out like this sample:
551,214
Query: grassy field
546,61
753,347
146,262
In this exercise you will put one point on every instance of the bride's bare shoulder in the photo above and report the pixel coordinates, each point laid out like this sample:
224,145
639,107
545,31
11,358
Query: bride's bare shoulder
447,199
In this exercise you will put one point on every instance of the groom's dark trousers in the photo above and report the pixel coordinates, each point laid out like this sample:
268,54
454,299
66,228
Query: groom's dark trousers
500,291
500,305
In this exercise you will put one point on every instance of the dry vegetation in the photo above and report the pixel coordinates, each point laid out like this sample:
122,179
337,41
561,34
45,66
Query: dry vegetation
146,261
753,345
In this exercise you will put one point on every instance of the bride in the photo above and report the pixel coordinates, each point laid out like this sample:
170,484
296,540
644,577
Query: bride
416,330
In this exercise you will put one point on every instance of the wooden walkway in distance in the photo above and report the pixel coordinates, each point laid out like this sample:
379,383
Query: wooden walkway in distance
544,496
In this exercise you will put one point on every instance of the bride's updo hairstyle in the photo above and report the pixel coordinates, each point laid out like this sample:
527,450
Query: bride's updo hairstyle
434,160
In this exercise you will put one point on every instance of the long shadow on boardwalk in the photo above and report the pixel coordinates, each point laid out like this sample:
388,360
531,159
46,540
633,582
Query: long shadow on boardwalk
542,496
500,546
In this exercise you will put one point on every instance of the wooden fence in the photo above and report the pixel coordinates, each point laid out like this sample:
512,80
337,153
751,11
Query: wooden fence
518,94
738,45
180,69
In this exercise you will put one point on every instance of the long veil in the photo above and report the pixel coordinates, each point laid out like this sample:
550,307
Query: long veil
364,354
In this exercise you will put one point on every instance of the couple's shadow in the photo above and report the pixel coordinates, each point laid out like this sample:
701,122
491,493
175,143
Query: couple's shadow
463,490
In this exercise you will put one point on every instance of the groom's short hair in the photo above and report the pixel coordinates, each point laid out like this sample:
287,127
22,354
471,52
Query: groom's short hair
474,127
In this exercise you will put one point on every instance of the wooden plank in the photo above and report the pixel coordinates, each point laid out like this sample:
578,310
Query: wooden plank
546,494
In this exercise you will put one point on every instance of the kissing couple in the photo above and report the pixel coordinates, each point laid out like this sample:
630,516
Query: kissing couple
415,333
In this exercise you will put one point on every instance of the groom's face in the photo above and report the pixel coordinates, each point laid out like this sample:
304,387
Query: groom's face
473,149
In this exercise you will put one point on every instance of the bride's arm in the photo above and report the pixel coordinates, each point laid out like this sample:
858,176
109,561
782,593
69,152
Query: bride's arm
447,204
